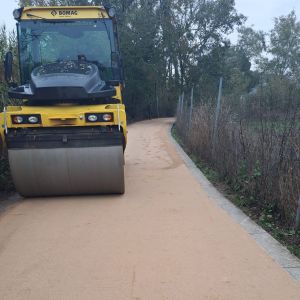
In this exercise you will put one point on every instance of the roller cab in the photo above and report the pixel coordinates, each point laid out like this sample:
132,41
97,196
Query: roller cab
67,135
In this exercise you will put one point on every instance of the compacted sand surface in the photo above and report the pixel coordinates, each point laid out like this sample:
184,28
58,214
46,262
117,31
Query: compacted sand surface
164,239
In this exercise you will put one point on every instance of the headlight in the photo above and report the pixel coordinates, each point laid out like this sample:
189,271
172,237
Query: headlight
17,119
92,118
99,117
17,13
33,119
111,12
26,119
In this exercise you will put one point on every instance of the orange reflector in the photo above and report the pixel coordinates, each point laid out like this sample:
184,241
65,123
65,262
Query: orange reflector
107,117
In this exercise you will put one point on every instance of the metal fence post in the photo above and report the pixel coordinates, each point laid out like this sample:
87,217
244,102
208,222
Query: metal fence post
298,215
218,109
191,107
178,105
157,106
182,103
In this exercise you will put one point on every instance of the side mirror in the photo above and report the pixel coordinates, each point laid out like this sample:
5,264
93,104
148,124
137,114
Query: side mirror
115,60
122,70
8,67
117,64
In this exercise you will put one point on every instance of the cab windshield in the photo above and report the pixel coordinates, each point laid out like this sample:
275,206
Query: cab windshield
43,42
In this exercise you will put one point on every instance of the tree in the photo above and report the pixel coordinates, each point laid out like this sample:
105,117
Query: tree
3,49
251,42
285,46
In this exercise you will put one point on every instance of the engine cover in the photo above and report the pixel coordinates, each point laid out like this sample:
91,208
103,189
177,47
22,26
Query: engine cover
66,80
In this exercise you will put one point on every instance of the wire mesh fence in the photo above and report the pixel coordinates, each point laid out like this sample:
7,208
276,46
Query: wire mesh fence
253,147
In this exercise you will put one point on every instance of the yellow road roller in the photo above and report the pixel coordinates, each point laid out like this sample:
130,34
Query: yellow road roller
66,132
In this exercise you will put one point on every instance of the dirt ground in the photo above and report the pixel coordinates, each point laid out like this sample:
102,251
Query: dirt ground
164,239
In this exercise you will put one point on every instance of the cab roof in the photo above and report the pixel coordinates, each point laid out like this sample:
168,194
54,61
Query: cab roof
63,12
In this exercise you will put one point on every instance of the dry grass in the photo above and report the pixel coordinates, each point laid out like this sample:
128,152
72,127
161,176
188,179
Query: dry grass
256,153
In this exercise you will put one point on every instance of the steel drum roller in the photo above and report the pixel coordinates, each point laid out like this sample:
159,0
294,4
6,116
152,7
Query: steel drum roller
68,171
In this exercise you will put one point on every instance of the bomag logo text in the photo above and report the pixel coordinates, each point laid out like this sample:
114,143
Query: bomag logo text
68,13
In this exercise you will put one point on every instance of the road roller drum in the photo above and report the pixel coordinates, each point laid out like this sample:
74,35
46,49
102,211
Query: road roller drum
67,171
66,161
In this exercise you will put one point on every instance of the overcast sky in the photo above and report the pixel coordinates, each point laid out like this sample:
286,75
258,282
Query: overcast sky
260,13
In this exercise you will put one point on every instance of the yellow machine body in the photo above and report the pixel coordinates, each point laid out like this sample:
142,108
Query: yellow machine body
63,12
64,115
33,169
